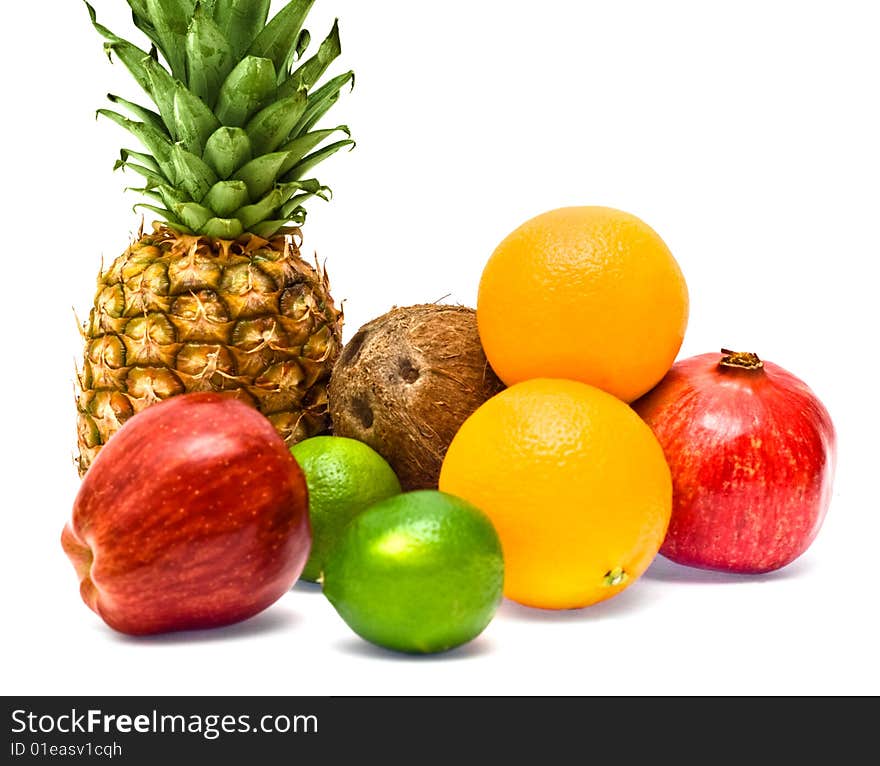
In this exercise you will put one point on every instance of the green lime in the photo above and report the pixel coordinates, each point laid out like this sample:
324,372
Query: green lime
344,477
421,572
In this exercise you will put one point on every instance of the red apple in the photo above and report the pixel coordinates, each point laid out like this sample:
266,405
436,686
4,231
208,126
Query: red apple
194,515
752,454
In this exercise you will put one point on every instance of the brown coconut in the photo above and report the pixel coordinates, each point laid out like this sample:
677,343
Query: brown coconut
406,382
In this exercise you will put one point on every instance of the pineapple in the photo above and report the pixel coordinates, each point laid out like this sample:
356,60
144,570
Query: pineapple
216,296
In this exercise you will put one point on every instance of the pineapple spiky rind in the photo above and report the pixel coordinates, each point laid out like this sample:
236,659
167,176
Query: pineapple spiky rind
179,313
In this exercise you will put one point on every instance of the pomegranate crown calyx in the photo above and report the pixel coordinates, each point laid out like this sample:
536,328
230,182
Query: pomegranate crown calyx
741,360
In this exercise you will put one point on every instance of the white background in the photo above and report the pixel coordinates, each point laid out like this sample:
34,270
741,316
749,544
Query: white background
746,133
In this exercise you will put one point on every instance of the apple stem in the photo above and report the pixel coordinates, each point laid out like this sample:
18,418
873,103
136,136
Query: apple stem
741,360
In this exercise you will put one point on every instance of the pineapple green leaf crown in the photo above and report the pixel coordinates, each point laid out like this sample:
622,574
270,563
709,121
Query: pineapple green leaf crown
229,149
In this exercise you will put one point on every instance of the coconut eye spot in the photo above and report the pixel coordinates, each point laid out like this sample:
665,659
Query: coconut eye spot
408,371
361,409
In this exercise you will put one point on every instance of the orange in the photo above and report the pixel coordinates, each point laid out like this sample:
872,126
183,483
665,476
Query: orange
575,483
583,293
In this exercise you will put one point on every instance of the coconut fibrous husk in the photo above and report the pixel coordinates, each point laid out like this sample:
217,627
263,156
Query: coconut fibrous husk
406,382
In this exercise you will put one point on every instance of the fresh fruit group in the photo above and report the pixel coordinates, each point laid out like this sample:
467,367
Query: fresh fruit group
218,298
421,572
194,516
575,483
752,454
583,293
406,382
344,477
